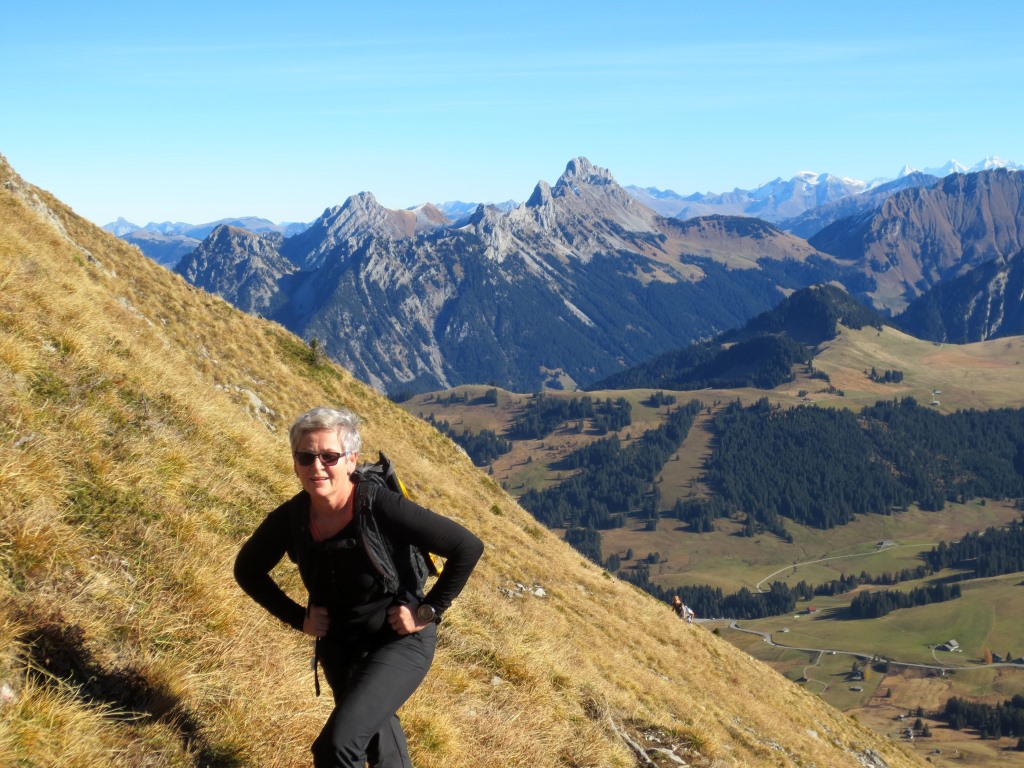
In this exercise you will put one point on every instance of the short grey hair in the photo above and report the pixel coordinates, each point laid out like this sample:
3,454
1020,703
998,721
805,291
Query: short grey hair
322,418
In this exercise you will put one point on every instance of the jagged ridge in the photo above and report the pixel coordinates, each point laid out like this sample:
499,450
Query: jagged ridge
572,282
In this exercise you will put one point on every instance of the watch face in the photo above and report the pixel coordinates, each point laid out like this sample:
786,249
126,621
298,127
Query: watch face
425,612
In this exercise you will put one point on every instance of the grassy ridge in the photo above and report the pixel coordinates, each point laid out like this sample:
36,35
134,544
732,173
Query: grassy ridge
142,436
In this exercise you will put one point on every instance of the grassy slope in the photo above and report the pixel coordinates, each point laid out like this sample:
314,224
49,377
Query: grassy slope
142,436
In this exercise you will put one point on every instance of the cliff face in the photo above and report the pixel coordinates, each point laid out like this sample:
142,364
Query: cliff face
143,426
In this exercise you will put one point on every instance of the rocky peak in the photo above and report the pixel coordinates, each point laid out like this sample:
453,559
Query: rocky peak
581,171
239,265
494,229
587,208
362,213
227,247
359,212
541,196
237,239
342,229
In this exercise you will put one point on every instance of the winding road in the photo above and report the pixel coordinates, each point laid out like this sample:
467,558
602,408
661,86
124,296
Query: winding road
794,566
768,638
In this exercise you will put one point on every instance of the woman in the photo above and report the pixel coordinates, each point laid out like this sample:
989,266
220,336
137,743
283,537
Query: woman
375,642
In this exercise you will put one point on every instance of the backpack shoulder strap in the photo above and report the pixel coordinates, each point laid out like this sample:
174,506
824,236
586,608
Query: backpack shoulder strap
375,542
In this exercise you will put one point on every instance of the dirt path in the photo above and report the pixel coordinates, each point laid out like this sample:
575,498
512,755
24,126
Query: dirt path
794,566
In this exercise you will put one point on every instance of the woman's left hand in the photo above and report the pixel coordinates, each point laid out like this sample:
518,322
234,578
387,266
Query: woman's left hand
402,619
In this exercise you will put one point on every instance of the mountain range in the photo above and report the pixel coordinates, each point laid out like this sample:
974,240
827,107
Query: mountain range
567,288
166,242
582,280
921,236
783,201
822,197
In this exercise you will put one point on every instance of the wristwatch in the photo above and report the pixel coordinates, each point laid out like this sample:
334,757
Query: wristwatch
426,612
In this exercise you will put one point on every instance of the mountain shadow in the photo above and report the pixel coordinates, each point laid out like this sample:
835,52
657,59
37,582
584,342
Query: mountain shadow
984,304
761,354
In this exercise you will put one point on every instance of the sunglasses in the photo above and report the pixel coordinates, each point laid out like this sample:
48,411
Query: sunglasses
327,458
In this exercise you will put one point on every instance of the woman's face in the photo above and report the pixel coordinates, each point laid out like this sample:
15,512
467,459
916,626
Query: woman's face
320,481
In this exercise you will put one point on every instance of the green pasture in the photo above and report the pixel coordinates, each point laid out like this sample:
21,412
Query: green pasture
982,375
987,616
472,414
824,674
992,681
723,558
986,374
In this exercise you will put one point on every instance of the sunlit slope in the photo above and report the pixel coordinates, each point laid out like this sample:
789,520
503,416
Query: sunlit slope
986,374
142,436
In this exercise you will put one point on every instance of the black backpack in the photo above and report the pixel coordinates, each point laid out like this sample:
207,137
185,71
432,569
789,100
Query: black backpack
413,566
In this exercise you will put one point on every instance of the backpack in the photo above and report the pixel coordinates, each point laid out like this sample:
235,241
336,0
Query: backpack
412,567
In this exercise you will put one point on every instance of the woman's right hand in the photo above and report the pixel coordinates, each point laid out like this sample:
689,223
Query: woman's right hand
316,621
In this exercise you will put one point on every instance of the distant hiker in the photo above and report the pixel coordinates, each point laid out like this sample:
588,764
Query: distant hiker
683,611
677,606
351,539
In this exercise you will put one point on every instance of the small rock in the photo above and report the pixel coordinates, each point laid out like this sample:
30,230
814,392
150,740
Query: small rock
7,695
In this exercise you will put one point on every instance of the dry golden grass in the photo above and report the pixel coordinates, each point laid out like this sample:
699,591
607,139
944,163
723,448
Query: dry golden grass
142,437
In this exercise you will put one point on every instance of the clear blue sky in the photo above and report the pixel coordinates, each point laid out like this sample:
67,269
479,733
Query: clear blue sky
197,111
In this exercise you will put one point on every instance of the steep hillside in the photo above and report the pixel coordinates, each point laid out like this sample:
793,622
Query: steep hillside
811,315
142,436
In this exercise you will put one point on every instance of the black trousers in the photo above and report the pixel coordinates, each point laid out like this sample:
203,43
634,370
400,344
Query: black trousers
369,687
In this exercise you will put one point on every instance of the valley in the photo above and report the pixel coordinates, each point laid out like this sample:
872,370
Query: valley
984,375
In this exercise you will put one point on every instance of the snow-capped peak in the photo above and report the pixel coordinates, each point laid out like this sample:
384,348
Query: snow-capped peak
944,170
995,161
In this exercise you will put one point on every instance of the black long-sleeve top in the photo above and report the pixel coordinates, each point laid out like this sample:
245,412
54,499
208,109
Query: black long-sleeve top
348,584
